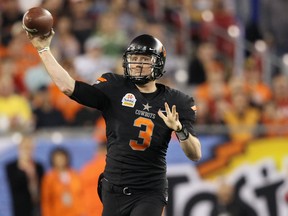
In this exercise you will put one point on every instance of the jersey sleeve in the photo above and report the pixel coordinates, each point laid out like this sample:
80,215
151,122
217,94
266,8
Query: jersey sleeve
90,96
99,94
107,82
187,113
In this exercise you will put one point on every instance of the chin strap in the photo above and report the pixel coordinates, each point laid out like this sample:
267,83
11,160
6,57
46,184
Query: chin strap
141,80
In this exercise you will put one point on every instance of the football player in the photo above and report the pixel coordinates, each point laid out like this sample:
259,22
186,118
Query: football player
140,117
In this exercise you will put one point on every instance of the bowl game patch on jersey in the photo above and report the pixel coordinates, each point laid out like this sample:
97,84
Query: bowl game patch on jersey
128,100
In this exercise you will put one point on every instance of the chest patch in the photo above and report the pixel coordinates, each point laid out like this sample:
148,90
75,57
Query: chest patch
128,100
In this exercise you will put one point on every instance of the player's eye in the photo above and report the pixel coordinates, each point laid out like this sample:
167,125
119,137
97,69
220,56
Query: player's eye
146,59
132,58
139,59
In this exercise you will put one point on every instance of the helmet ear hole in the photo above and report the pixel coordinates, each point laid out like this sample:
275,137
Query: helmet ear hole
146,45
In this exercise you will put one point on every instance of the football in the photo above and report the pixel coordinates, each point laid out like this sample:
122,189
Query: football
38,21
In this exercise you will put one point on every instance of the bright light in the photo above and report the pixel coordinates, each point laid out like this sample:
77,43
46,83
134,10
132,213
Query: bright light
57,138
260,46
181,76
207,16
17,137
234,31
285,59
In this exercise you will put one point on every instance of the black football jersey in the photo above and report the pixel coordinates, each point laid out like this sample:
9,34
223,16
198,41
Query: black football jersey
137,138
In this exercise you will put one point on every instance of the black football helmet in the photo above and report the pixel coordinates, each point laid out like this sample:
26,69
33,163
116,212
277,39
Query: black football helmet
150,46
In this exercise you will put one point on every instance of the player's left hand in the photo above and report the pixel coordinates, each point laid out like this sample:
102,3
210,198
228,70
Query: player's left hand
171,118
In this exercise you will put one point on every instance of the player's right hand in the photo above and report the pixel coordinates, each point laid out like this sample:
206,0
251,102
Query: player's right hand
40,42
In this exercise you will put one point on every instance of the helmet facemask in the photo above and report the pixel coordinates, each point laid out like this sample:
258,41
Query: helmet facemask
140,68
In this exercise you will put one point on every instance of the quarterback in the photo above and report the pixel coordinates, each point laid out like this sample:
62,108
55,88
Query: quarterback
140,117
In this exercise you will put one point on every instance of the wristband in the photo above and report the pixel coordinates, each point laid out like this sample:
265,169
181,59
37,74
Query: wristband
182,134
43,50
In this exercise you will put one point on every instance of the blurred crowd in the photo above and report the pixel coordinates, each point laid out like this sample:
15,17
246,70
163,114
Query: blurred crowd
61,190
227,54
203,47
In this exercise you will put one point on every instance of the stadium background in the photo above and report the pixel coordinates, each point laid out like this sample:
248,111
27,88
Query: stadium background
247,36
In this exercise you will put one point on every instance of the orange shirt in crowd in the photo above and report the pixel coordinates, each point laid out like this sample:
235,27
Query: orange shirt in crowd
274,120
242,127
61,102
260,93
3,51
61,194
27,59
275,127
89,175
206,91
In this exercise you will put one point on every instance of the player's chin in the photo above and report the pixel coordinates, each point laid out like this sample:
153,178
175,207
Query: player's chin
139,74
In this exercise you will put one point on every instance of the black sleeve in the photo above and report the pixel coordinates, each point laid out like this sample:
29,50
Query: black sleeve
187,113
90,96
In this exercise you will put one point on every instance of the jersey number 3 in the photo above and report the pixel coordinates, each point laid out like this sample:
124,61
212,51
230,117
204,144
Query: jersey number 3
146,134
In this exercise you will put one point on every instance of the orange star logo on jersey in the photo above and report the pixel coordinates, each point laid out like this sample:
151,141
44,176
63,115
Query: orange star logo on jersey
100,80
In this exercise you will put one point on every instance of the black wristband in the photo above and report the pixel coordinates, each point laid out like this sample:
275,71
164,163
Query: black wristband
183,134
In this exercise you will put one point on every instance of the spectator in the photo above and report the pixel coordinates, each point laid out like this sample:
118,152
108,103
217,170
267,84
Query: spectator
248,13
35,73
20,52
61,187
86,117
56,7
260,92
227,203
242,119
66,43
10,14
279,89
83,23
7,67
94,61
91,171
90,174
203,113
274,25
15,110
273,122
112,37
214,91
197,67
216,30
44,113
60,101
24,178
275,112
